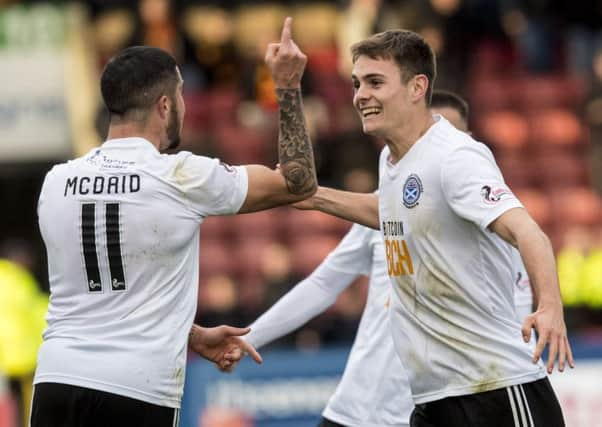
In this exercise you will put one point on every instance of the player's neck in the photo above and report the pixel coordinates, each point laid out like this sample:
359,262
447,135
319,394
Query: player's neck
404,136
132,130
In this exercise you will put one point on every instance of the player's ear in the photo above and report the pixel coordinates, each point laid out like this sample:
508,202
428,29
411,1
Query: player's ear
418,86
163,106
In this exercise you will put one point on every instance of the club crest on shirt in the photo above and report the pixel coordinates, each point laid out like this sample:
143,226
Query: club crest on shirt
493,195
412,189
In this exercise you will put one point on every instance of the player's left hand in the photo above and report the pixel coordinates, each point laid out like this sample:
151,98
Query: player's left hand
222,345
285,60
551,331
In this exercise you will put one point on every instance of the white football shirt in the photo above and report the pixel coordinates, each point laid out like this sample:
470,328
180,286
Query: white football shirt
374,389
453,322
121,228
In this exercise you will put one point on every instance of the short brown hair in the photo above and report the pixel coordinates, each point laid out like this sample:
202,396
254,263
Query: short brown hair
445,98
409,50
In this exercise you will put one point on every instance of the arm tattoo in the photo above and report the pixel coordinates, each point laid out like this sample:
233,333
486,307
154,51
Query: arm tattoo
295,152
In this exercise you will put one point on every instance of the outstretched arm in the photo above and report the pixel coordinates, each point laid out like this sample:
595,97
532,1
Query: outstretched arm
305,301
361,208
350,259
518,228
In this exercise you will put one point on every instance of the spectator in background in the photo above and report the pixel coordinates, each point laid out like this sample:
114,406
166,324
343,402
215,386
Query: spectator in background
22,321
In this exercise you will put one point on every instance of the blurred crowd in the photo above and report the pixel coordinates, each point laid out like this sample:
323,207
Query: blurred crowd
531,71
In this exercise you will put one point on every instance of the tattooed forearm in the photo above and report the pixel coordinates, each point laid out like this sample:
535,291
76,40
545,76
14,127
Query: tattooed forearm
295,152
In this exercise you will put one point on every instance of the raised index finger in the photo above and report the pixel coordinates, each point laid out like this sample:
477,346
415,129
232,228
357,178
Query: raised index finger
286,30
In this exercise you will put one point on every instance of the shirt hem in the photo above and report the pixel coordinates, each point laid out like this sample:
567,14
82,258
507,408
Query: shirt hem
348,422
108,388
468,390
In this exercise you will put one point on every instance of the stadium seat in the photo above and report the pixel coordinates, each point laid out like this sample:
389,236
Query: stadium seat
223,104
242,145
264,224
313,223
490,94
310,251
578,205
216,227
216,257
560,168
555,126
504,129
535,92
517,169
197,110
248,256
536,203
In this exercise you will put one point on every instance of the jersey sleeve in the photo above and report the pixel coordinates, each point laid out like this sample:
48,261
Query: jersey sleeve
354,253
211,187
473,185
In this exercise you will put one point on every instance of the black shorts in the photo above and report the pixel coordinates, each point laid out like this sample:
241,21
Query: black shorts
63,405
526,405
327,423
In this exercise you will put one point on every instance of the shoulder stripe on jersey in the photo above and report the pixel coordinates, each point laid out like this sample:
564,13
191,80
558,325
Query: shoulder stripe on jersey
88,230
114,247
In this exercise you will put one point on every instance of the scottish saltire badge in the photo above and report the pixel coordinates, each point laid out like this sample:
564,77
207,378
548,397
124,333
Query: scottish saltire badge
412,189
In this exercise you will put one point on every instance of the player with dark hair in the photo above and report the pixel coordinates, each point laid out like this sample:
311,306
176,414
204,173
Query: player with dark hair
121,228
446,246
452,107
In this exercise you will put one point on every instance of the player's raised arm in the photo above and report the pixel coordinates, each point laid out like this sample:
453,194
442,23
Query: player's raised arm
361,208
518,228
295,180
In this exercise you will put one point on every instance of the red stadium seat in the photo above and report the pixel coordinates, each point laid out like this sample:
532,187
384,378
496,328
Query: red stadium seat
576,206
216,257
560,168
310,251
312,223
535,92
239,145
517,169
505,129
537,204
555,126
258,224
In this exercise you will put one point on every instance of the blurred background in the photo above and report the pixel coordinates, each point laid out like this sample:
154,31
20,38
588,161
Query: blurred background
531,71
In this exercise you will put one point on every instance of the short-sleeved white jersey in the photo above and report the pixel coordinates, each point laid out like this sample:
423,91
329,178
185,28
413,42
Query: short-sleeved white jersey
453,322
121,228
374,389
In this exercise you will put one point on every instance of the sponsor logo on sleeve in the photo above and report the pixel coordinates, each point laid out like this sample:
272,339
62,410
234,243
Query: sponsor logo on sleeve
228,168
412,189
492,195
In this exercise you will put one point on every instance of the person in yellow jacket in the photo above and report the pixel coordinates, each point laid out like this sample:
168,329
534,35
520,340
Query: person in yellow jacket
22,321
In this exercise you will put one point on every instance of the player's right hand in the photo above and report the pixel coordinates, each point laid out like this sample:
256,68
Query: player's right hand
285,59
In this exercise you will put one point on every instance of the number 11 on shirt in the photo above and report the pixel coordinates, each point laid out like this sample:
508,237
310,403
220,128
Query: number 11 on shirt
113,245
